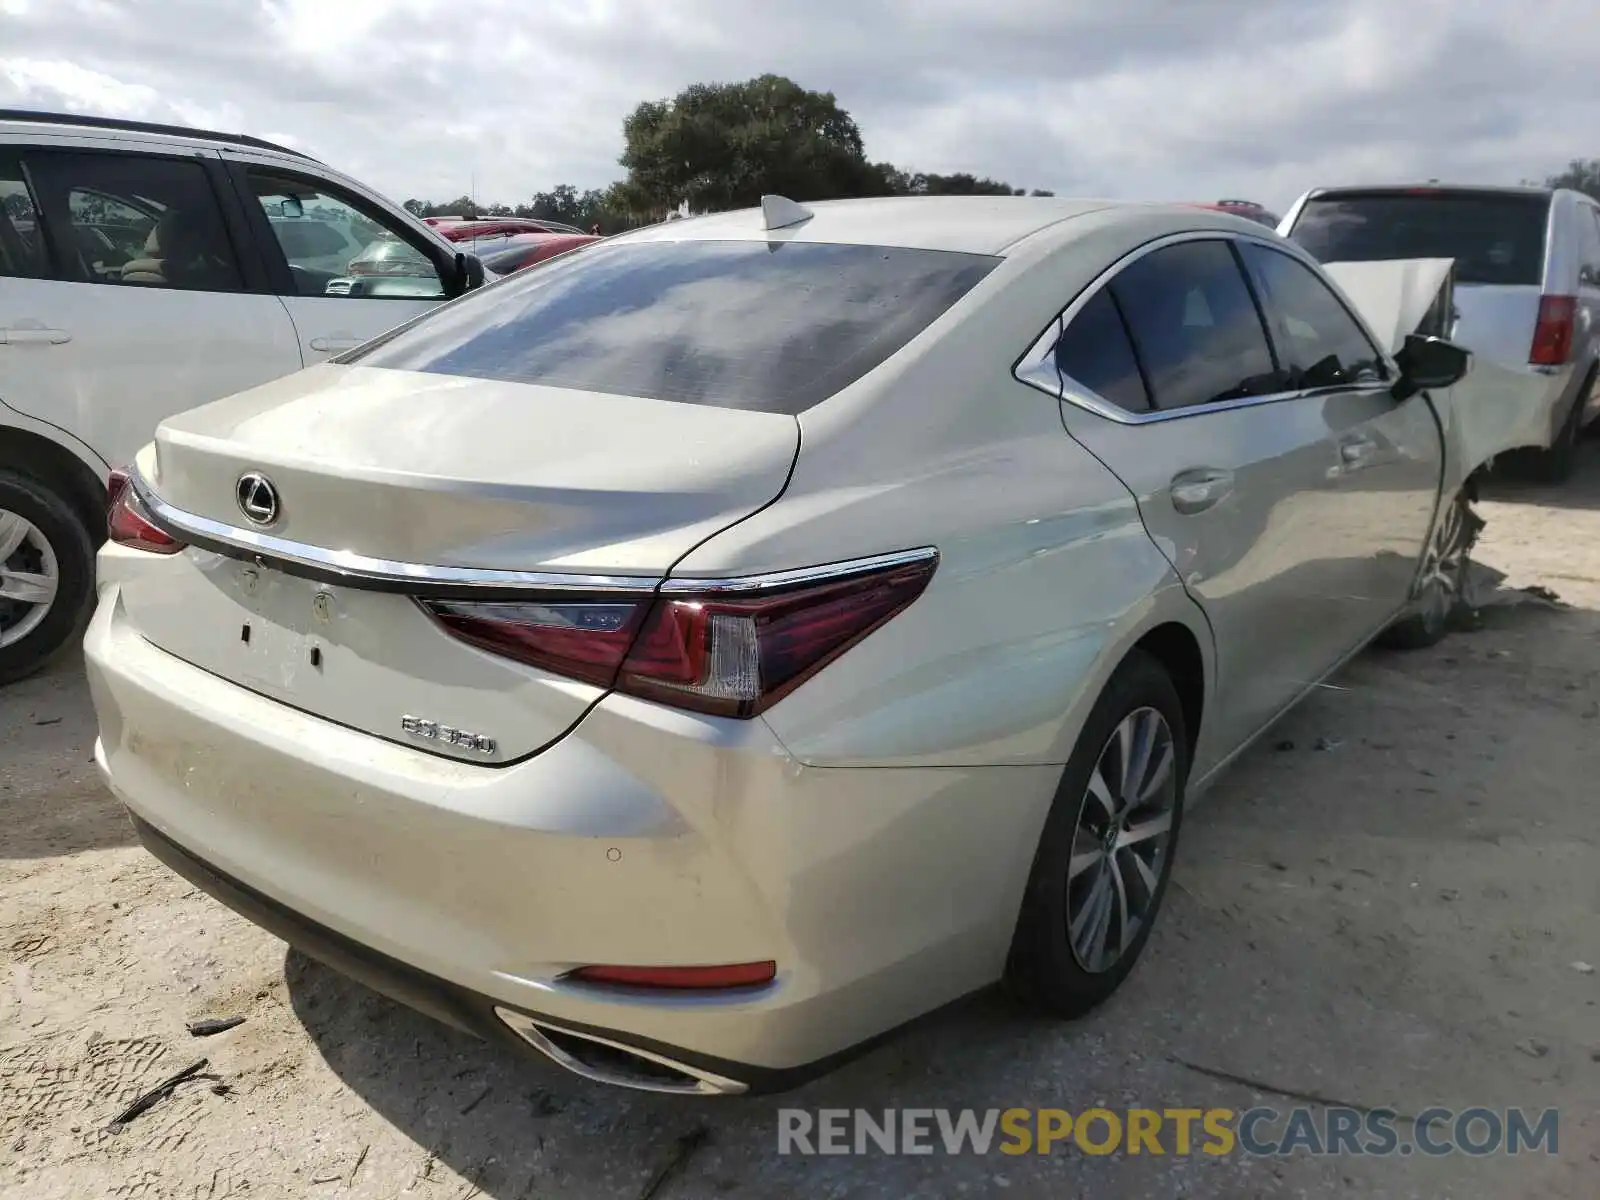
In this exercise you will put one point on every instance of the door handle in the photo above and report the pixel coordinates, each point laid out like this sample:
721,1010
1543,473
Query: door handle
335,345
1357,453
1196,490
36,336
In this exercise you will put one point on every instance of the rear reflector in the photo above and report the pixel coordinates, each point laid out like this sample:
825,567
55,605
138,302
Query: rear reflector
127,523
1552,336
732,975
728,653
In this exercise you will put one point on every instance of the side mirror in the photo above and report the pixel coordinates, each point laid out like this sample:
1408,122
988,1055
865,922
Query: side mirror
469,272
1428,364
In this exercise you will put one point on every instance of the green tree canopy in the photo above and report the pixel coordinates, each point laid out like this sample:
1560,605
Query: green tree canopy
1582,174
722,145
717,146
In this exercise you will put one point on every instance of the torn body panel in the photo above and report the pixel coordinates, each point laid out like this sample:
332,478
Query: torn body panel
1495,408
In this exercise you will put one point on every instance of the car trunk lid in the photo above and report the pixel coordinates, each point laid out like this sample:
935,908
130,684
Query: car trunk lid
391,484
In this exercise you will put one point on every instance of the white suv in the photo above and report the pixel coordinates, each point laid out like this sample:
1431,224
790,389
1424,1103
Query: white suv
144,270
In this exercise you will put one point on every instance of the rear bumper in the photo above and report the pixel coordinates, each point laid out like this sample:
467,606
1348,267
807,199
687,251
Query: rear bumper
645,837
451,1004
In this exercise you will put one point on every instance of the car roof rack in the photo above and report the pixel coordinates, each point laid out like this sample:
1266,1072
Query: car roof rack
55,118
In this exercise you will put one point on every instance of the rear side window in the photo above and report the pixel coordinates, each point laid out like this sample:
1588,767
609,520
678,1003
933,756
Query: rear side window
771,327
1494,237
1195,326
1318,340
136,220
1095,352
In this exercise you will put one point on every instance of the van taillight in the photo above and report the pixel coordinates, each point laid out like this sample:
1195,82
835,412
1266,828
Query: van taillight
1552,336
127,522
726,652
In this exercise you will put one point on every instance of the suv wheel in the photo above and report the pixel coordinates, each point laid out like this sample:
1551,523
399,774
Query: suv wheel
46,576
1555,465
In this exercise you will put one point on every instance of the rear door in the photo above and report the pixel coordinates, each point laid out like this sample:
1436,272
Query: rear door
1170,379
333,312
139,299
1390,456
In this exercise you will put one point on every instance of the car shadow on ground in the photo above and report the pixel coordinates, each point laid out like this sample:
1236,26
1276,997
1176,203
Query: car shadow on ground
1353,916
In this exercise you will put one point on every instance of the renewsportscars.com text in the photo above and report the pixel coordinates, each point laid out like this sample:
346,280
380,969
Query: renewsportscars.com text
1257,1132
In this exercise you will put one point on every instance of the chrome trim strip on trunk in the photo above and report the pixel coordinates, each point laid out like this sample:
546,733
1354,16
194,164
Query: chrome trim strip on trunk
428,581
374,574
803,576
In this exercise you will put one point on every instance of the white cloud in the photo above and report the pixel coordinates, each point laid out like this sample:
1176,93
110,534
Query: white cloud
1138,98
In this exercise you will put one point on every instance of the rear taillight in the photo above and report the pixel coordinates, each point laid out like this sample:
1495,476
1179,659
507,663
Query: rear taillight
1552,336
725,652
127,522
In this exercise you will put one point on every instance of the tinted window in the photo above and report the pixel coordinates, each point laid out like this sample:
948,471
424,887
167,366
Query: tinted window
775,327
21,240
1494,238
322,260
1195,326
308,238
136,219
1094,351
1319,343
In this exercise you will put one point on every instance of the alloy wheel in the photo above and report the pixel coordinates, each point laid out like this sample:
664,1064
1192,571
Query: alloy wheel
30,576
1121,841
1444,566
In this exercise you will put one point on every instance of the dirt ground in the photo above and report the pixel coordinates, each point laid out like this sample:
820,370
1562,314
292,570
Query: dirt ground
1383,905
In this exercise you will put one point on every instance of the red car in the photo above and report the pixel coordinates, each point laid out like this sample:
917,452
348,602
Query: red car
523,250
1244,208
461,229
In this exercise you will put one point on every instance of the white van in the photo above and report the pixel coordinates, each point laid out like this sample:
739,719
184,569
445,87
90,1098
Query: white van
1526,290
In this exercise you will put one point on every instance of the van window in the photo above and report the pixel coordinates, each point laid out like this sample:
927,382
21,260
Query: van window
22,251
1494,237
767,326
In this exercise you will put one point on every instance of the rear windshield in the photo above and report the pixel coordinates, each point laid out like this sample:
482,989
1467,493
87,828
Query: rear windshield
1494,238
771,327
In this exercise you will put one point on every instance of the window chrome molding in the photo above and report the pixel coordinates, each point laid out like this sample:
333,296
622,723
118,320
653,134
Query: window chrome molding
1037,367
420,579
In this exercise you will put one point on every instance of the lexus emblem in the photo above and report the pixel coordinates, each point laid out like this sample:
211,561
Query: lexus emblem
257,497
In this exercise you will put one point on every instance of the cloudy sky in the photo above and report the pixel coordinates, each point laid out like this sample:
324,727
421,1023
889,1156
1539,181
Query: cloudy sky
1172,99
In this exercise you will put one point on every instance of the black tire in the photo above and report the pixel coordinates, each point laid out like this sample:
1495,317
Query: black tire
1555,465
1435,607
62,626
1044,971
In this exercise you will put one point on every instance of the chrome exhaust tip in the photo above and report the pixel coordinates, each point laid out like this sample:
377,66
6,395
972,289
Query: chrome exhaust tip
606,1061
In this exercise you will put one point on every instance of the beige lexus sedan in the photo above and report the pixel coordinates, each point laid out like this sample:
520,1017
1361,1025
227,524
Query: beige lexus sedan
696,657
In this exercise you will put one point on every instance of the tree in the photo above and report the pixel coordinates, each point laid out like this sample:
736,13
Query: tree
960,184
1583,174
716,146
720,146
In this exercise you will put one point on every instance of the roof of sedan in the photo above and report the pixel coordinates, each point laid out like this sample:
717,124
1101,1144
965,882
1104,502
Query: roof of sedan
968,224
